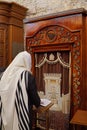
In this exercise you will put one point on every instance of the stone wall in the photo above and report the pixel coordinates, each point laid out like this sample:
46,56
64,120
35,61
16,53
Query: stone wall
43,7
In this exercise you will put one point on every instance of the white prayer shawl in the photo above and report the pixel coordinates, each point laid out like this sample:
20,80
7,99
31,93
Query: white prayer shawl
8,87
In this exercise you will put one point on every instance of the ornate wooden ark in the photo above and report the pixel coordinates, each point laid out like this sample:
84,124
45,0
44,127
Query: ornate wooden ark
58,46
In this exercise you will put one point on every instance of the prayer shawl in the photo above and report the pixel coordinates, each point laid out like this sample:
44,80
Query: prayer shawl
14,112
21,103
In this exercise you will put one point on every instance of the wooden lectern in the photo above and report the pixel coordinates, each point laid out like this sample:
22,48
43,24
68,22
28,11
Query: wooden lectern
38,112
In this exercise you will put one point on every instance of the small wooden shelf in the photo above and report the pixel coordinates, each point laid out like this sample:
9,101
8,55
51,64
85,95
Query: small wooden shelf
80,118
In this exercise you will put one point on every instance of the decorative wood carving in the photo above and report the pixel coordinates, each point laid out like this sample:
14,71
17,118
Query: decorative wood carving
53,35
63,32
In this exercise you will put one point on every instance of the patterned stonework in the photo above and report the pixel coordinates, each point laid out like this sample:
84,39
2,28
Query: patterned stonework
42,7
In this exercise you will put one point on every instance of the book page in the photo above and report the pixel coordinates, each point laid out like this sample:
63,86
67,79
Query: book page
45,102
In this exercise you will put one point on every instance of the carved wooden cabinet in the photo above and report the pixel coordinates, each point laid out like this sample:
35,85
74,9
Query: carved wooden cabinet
11,31
65,33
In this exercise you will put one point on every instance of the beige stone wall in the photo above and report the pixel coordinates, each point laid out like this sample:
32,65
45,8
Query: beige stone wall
43,7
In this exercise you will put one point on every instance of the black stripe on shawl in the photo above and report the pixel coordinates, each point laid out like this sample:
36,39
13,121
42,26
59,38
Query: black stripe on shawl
22,101
19,122
22,104
0,105
22,112
0,114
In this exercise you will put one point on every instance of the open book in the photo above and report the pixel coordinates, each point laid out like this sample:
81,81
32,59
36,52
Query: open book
45,102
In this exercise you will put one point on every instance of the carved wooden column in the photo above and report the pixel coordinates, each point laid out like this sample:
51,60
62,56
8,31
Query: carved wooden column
11,31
